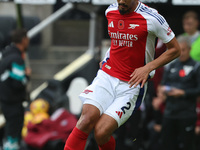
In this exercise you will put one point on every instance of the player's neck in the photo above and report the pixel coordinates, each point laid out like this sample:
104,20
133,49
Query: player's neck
134,6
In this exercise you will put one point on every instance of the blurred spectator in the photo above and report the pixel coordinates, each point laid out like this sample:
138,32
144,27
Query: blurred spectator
13,81
190,26
197,129
181,86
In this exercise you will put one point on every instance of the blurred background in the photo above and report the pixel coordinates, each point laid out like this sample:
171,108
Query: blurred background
68,40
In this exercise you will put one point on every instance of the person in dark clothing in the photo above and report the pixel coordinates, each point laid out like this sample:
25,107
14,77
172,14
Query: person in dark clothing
13,81
181,85
197,128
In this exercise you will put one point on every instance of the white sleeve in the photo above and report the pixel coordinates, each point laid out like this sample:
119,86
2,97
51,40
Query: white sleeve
111,7
162,29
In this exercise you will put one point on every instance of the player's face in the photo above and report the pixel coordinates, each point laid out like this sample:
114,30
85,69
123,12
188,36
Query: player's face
190,25
185,52
127,6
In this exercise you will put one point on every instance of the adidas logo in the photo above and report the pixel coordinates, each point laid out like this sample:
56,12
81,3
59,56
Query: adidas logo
119,113
111,25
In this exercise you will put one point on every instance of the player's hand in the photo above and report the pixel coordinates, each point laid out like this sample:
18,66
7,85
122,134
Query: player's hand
140,75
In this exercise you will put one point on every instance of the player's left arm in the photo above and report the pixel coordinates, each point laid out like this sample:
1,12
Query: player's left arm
140,75
160,28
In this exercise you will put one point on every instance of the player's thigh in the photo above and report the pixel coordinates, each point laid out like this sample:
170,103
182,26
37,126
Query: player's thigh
100,93
94,104
123,107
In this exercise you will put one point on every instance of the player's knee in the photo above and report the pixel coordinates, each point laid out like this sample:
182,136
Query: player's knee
89,117
100,136
85,123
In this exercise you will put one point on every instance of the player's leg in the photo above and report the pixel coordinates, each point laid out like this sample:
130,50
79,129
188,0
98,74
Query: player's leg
113,118
117,114
96,98
103,132
89,117
78,137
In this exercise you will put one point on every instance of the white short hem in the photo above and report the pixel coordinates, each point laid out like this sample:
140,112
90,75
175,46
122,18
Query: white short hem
94,103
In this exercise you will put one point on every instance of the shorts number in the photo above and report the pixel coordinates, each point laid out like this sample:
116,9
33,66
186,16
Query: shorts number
126,107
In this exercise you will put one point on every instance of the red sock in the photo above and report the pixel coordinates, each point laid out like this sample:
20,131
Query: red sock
110,145
76,140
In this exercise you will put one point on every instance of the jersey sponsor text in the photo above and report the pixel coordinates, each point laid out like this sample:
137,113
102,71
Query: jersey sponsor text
123,39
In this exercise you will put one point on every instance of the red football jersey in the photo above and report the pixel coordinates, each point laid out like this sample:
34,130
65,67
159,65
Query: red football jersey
133,39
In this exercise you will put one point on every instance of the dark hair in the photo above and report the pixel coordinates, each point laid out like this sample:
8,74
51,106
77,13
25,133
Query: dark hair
18,34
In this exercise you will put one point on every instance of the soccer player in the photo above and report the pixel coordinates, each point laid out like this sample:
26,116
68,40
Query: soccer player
121,83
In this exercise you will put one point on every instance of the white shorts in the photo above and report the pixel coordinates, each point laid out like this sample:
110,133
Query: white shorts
113,97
